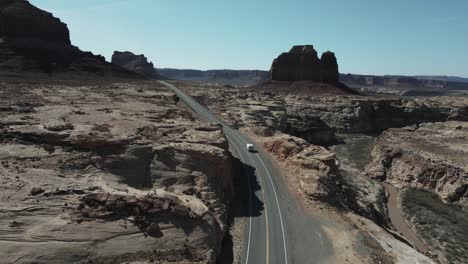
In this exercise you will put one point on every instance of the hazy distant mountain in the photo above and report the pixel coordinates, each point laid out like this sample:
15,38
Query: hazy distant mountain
404,84
443,78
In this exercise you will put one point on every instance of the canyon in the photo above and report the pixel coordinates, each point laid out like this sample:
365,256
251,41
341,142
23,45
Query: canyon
419,143
101,163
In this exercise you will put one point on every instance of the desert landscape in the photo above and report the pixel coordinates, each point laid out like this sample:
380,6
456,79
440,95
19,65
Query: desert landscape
124,162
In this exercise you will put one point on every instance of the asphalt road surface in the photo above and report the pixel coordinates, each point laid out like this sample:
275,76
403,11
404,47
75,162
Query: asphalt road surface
278,230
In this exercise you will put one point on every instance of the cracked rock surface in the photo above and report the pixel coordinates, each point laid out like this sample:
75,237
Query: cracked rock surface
109,173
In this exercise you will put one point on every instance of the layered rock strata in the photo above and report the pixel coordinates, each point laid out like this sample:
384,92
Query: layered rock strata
109,173
135,63
431,156
316,118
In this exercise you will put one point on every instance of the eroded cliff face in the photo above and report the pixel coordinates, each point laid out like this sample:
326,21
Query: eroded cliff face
320,177
428,156
135,63
33,41
359,114
20,19
431,156
109,173
428,163
316,118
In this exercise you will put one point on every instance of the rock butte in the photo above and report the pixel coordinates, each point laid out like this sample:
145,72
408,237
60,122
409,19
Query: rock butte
301,63
135,63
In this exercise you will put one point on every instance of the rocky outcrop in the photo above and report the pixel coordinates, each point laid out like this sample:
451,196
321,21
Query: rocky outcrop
428,164
372,114
301,63
430,156
135,63
319,177
34,41
264,113
315,166
120,175
316,118
20,19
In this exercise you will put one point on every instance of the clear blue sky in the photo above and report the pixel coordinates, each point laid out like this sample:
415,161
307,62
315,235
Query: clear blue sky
368,36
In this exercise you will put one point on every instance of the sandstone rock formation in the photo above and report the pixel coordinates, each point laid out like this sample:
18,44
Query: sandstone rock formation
302,63
358,114
429,164
329,67
263,112
20,19
431,156
315,165
136,63
34,41
109,173
320,177
316,118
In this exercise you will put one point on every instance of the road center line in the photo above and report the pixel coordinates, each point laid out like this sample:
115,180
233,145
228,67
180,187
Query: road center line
210,117
277,203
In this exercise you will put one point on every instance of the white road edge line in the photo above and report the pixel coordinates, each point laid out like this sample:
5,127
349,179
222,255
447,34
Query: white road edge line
279,211
250,204
211,117
277,203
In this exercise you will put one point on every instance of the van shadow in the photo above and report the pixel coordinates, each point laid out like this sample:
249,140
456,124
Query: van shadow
245,204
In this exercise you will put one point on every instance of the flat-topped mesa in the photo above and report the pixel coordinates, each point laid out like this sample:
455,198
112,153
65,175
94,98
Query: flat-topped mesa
135,63
301,63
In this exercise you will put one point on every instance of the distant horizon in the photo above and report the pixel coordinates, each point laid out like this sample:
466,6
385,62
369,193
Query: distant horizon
397,38
343,73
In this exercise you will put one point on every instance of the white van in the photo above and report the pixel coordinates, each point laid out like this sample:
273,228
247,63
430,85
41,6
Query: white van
250,147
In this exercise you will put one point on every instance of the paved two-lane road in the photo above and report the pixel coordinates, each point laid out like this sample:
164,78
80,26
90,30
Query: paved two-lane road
278,231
